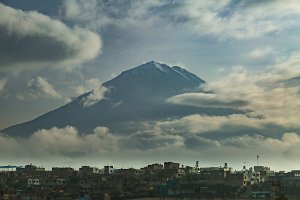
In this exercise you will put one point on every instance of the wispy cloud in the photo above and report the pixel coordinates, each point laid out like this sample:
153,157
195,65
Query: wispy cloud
223,19
95,14
87,86
2,84
207,100
90,13
200,124
40,87
260,52
95,96
236,19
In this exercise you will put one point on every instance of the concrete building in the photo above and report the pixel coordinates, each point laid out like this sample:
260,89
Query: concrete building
171,165
109,170
256,175
130,172
90,170
33,182
155,167
62,170
216,171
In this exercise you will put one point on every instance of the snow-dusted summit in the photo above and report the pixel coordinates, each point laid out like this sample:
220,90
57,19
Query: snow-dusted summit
136,95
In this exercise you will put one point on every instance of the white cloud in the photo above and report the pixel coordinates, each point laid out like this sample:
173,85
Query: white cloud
152,138
223,19
260,52
245,148
95,14
90,13
40,87
239,20
259,93
80,9
95,96
287,145
68,144
201,124
287,67
206,100
39,40
2,84
60,142
88,85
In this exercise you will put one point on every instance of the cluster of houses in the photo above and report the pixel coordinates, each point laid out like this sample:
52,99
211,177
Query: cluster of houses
156,180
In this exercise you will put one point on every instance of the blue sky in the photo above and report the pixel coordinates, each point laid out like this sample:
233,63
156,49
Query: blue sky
53,51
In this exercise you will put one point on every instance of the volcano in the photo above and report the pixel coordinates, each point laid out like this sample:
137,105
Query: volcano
135,96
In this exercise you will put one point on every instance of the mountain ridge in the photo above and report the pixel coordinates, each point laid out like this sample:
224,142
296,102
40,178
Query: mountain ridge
136,95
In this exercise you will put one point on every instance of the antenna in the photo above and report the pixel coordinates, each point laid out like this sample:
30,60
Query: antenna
257,160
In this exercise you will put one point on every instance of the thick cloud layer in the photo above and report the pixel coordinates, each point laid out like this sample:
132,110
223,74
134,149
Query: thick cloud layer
264,95
69,145
30,39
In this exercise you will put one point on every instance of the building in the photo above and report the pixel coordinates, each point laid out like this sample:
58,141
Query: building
90,170
33,182
170,165
62,171
155,167
109,170
256,175
216,171
130,172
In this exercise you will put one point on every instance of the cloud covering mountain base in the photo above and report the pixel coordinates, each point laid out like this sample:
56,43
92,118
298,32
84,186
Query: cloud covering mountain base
70,148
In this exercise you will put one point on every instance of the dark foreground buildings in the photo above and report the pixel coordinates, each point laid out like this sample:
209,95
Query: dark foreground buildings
155,181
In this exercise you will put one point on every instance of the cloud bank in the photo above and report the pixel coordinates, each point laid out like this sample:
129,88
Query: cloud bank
259,94
68,144
31,39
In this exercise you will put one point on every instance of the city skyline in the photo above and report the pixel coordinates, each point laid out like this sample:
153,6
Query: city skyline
196,164
55,52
